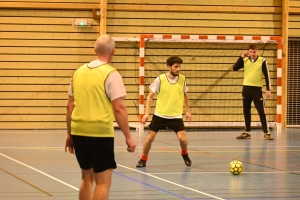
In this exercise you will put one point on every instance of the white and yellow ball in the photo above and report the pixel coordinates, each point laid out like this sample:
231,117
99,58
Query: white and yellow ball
236,167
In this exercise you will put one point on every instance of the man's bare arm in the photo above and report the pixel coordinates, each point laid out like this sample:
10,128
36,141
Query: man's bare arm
148,105
69,143
70,108
187,108
121,116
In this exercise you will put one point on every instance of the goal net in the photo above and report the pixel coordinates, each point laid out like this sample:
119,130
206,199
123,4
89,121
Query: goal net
214,89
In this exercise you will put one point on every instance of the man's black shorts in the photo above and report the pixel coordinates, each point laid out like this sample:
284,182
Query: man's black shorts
95,152
159,123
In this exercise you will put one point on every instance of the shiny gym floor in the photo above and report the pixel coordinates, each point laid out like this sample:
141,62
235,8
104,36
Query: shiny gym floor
34,166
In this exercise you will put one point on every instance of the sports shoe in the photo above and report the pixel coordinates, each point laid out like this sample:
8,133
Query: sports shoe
244,136
267,136
141,163
187,160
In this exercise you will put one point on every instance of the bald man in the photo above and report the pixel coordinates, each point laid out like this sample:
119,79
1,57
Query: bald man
96,98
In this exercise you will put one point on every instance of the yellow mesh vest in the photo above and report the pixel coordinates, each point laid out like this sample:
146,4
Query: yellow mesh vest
253,74
170,97
92,115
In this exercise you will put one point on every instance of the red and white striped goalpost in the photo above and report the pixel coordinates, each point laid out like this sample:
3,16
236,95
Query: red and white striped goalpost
209,38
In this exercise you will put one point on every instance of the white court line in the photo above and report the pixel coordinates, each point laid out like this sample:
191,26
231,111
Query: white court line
225,172
191,189
219,146
32,148
243,146
168,151
49,176
123,147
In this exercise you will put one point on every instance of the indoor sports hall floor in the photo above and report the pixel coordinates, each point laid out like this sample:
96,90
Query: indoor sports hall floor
34,166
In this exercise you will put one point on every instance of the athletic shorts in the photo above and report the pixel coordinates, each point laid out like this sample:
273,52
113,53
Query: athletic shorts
159,123
94,152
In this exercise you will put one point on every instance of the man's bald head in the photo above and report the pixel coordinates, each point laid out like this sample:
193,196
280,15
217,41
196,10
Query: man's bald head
104,46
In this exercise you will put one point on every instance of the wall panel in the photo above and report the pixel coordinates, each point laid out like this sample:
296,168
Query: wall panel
194,17
294,19
39,51
130,18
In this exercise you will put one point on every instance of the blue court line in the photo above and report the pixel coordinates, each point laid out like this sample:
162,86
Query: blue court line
149,185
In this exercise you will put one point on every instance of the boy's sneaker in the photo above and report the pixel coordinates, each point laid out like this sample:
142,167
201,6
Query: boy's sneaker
244,136
187,160
267,136
141,163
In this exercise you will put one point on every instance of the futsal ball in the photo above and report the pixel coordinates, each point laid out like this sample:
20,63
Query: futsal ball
236,167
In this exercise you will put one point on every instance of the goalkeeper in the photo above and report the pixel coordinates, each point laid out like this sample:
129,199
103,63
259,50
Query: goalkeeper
255,67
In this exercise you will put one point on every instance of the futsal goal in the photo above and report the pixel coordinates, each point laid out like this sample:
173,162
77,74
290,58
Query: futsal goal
214,89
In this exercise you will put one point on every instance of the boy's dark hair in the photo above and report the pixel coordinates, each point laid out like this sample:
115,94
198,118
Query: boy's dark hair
174,59
252,46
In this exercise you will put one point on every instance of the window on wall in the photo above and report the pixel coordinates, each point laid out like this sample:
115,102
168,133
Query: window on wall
293,81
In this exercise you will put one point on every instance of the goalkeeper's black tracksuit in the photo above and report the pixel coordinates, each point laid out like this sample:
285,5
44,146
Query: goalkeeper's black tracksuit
252,89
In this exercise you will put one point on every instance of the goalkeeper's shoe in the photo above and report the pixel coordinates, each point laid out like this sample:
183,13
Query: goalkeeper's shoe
244,136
